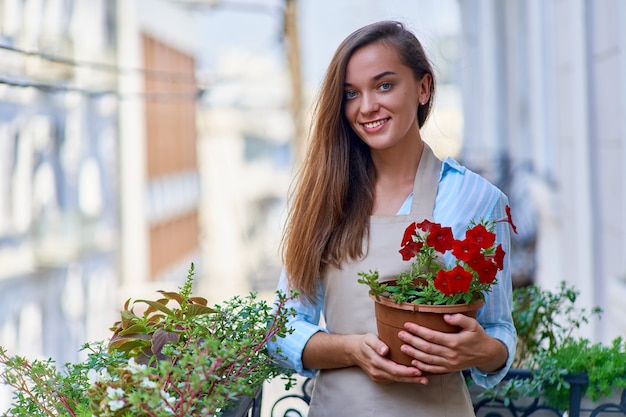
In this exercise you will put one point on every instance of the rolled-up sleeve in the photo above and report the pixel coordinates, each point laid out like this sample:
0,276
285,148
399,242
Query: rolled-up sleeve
498,324
495,317
287,351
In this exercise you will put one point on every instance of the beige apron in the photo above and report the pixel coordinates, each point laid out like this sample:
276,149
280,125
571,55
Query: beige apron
349,310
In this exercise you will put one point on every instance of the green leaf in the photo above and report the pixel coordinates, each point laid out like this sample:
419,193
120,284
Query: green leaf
197,310
156,305
135,328
127,318
127,344
151,310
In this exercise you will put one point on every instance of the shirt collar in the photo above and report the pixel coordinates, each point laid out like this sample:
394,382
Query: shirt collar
451,164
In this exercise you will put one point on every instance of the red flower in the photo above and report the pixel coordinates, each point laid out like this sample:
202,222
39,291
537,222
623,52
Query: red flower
475,264
498,258
426,225
481,236
453,281
410,250
465,250
509,219
486,270
438,237
408,234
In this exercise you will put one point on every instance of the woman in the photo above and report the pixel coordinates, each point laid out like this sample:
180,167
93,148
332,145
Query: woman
366,176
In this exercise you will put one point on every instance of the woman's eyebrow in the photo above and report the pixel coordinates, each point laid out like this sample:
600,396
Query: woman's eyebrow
375,77
383,74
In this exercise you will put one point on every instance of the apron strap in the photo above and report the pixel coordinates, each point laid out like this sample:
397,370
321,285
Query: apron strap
426,182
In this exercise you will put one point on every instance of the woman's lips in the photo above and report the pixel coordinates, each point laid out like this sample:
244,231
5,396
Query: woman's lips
375,123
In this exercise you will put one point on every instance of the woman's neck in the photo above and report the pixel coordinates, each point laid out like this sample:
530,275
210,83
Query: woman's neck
395,177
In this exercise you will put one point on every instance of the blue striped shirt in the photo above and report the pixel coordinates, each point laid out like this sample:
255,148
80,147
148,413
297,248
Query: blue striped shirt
462,196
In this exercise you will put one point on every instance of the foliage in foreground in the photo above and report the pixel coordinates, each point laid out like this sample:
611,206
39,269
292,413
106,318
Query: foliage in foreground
185,360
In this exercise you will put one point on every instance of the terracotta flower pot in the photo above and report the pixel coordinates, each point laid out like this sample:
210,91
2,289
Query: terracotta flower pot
391,316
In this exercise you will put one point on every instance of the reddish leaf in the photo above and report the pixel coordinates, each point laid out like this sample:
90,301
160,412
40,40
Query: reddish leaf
157,305
126,344
160,339
150,310
197,310
198,300
173,296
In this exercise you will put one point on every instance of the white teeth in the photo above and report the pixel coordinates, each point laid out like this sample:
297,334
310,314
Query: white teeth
374,124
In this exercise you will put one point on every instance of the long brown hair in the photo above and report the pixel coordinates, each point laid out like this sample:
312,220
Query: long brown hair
333,197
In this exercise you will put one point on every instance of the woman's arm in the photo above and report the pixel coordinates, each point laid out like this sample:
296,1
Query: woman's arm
310,347
288,351
331,351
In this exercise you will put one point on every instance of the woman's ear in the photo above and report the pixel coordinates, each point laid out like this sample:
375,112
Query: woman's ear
424,89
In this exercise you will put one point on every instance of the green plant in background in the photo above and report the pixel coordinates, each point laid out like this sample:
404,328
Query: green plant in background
172,360
545,319
546,323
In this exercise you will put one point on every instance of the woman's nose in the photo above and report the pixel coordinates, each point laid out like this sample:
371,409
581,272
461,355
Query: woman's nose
369,103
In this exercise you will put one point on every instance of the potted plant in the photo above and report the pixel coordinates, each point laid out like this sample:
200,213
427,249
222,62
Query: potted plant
428,289
178,358
548,347
555,372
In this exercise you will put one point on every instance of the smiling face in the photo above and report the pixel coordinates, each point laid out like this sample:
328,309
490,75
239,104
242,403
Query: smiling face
381,97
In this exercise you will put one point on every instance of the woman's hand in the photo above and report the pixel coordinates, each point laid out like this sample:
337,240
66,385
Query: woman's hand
438,352
367,351
369,355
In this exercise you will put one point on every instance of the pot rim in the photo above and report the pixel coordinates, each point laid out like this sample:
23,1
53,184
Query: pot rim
428,308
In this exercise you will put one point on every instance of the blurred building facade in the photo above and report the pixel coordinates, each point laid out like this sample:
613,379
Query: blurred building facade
160,190
99,179
246,164
58,175
544,89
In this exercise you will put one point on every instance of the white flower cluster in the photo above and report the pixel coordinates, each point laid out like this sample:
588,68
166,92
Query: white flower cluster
134,367
95,376
116,398
168,400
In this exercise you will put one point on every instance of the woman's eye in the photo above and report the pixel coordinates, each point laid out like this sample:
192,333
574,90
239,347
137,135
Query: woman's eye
385,86
349,95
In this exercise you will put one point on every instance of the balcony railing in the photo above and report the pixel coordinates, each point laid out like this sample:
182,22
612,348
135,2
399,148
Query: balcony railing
246,406
527,407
